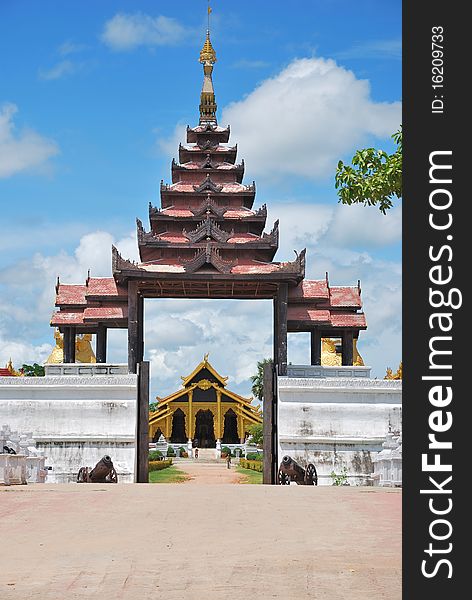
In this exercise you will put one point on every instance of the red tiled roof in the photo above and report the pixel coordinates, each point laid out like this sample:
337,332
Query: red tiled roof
242,238
342,319
301,313
227,187
5,373
239,213
104,286
100,313
219,148
202,128
177,212
198,165
252,267
309,290
70,294
345,297
175,238
67,317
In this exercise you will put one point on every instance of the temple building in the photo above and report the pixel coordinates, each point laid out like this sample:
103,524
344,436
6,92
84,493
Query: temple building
204,413
208,240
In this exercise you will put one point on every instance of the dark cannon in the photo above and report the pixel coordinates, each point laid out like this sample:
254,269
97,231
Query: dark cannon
103,472
289,471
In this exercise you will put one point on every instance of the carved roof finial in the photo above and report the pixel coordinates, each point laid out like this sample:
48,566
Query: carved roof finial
207,97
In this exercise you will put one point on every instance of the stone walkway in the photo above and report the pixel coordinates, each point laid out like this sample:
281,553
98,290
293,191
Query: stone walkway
184,542
205,473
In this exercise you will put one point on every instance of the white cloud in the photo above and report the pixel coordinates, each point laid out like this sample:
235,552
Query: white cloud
23,151
70,47
344,227
377,49
62,68
128,31
306,118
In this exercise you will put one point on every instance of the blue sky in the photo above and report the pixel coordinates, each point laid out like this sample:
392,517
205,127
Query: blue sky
93,100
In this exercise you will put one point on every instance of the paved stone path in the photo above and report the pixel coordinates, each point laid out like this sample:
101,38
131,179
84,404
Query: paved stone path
205,473
184,542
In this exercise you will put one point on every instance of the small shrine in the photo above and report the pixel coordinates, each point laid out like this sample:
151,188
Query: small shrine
204,412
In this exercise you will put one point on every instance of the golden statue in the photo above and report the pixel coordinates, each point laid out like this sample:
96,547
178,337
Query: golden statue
83,349
57,354
331,358
398,375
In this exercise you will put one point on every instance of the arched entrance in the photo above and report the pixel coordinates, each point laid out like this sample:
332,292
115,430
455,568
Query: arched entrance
204,429
230,432
178,427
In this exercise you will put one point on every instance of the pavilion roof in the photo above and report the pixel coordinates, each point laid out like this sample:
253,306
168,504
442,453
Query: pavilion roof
70,294
205,364
5,372
345,297
67,317
104,313
309,290
302,315
105,286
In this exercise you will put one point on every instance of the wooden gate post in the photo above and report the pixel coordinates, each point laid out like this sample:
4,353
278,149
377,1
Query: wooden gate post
141,469
269,426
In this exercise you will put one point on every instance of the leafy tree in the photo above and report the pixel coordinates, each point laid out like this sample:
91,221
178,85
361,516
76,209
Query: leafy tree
258,380
33,370
256,433
374,178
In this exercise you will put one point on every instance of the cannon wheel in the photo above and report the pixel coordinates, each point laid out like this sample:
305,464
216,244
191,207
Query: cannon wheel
82,475
283,478
112,477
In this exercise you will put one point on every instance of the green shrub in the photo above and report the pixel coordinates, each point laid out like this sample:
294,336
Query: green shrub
225,450
155,455
158,465
254,456
182,451
254,465
170,451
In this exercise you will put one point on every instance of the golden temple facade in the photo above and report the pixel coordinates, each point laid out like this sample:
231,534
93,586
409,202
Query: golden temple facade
204,412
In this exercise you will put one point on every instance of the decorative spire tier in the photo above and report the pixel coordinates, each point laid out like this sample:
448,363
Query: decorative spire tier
207,97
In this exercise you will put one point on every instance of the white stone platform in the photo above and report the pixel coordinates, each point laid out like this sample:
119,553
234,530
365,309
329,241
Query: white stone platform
75,419
337,423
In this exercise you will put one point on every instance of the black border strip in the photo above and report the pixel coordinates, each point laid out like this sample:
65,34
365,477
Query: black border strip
434,127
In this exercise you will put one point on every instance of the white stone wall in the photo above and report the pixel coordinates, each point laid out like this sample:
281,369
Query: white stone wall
336,423
75,420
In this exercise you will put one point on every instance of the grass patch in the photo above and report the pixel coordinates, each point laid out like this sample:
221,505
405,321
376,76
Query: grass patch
250,476
170,475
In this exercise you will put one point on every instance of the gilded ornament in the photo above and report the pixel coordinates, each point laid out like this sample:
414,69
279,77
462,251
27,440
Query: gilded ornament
207,53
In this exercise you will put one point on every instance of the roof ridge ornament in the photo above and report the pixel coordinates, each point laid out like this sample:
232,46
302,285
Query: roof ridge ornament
207,97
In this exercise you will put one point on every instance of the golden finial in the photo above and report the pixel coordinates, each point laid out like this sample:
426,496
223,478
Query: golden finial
207,53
